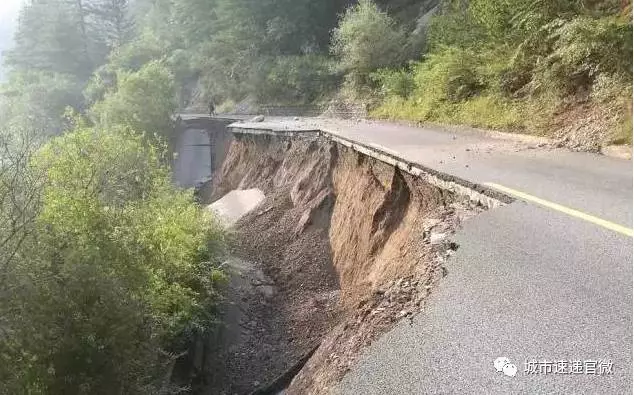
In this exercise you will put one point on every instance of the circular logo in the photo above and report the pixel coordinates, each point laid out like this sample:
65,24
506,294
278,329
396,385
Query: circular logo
500,362
509,370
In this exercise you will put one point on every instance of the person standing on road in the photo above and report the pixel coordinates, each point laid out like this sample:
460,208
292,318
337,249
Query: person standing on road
212,108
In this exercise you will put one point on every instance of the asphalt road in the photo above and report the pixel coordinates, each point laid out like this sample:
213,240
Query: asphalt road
550,281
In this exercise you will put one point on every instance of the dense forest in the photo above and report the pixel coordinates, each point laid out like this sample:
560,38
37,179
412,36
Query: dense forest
106,267
489,63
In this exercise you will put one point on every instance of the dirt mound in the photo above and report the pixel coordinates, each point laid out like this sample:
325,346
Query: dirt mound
584,127
234,205
351,244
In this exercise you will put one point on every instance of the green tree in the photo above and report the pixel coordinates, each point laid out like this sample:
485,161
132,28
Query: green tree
111,20
231,46
53,36
123,264
297,79
582,49
69,36
20,191
367,39
37,100
143,100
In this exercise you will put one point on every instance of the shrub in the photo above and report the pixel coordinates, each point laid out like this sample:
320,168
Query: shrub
512,64
608,88
123,265
452,85
143,100
393,82
512,80
37,100
448,75
103,80
581,50
136,54
487,111
297,79
226,107
614,94
494,16
490,111
367,39
454,26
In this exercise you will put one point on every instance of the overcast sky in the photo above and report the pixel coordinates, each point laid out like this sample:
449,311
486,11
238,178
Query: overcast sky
9,10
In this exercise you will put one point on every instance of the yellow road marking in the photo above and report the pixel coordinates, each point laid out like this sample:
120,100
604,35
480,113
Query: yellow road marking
566,210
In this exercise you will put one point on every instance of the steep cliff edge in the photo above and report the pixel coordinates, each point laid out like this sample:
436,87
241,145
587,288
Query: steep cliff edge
350,244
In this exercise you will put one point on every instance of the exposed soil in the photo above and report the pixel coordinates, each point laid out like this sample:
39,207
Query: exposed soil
584,127
305,304
348,246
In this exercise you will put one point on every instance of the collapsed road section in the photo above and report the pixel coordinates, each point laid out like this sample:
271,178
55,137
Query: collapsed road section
344,241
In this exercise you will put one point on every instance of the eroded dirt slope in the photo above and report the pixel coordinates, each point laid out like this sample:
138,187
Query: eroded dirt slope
351,245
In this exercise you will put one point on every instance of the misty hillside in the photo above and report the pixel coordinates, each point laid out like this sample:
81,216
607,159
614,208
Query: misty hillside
8,19
6,32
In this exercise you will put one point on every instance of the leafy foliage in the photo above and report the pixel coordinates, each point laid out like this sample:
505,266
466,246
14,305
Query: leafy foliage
69,37
493,60
20,191
297,79
143,100
391,82
582,49
230,47
37,100
367,39
122,264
